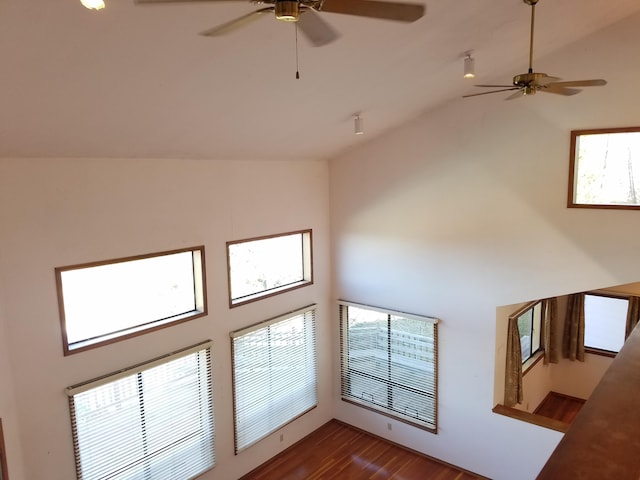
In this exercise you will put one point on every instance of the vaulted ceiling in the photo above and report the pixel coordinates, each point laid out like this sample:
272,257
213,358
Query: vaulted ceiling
138,81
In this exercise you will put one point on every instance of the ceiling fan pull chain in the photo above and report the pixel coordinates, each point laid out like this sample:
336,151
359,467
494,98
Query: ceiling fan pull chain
297,69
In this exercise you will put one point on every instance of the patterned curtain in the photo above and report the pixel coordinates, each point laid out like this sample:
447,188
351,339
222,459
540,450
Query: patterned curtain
549,330
513,371
573,338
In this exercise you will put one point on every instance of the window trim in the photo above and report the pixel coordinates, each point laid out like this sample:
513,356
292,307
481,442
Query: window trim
571,191
77,389
4,469
308,310
535,355
601,351
382,411
307,271
200,292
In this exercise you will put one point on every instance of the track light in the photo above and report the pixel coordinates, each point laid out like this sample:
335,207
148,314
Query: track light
93,4
469,66
358,127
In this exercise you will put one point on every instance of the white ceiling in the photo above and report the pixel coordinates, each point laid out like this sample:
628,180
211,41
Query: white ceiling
137,81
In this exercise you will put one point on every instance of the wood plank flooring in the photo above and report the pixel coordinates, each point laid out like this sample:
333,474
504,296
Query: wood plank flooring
560,407
339,451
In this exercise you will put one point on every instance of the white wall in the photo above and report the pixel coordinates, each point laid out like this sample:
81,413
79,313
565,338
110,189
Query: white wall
463,210
8,407
68,211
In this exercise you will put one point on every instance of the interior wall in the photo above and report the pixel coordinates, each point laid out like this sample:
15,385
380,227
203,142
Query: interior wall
68,211
8,407
463,210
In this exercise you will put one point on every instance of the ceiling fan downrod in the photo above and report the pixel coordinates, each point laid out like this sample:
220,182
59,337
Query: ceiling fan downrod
532,3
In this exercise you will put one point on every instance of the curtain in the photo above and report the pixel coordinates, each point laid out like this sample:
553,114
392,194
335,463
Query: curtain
633,314
549,327
513,371
573,338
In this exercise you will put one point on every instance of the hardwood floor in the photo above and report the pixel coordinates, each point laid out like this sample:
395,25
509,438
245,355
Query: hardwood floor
560,407
339,451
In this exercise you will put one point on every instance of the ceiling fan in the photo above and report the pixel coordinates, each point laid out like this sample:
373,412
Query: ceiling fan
531,82
305,13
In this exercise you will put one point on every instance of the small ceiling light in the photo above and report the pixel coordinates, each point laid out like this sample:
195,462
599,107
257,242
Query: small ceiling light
469,66
358,127
93,4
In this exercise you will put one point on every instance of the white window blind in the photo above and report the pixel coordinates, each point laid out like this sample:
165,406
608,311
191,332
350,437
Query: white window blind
389,363
274,374
150,422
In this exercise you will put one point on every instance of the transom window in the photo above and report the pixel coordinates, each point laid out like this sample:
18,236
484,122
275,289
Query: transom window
605,320
605,168
389,363
151,421
264,266
107,301
274,375
530,329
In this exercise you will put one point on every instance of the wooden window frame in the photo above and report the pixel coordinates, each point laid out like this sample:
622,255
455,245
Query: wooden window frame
265,403
4,470
575,134
346,370
307,274
600,351
200,293
537,354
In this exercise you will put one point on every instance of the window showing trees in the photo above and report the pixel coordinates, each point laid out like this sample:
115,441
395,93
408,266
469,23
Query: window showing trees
102,302
530,329
605,168
274,375
389,363
265,266
605,320
151,421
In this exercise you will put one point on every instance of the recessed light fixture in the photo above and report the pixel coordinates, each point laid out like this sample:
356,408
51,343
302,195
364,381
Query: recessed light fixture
93,4
469,66
358,127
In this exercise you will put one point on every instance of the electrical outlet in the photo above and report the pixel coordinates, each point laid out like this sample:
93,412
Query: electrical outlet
389,426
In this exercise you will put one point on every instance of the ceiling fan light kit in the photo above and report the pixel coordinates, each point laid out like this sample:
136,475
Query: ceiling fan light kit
287,11
530,83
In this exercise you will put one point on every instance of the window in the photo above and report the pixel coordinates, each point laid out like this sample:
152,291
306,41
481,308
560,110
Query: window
605,168
389,363
149,422
530,329
260,267
108,301
274,375
4,474
605,321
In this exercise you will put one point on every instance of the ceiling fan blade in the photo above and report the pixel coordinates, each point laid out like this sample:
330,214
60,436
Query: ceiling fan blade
580,83
518,94
236,23
493,91
559,90
497,86
400,12
546,80
317,31
149,2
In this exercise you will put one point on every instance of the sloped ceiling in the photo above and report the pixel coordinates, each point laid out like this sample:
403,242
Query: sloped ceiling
137,81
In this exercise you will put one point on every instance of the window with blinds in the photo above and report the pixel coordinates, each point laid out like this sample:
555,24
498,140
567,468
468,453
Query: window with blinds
274,375
150,422
389,363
